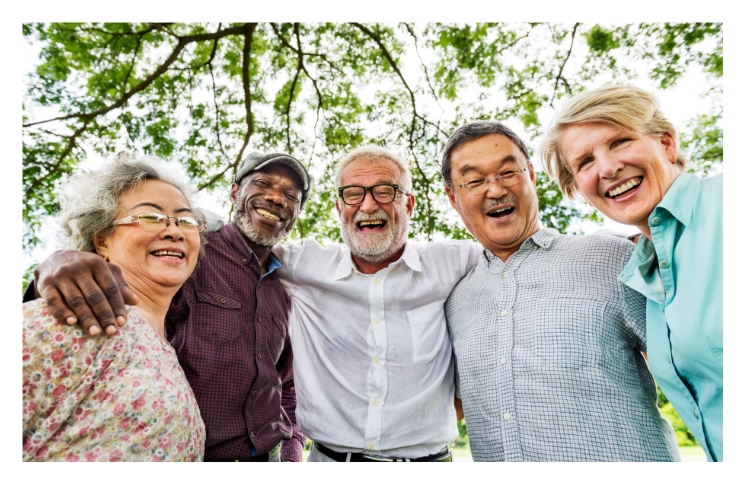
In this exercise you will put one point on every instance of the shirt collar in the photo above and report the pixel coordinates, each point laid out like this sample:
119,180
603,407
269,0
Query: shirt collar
542,238
679,199
411,258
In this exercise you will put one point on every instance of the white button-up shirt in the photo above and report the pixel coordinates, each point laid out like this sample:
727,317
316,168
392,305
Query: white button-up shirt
372,355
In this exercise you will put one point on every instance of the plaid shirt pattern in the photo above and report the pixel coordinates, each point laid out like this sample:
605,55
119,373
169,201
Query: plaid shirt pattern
547,347
228,325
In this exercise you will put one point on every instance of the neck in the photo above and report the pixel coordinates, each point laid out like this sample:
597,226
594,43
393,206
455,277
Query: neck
505,252
645,229
262,252
154,301
368,267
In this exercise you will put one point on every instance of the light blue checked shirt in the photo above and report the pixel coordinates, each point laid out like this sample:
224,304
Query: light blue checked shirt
547,348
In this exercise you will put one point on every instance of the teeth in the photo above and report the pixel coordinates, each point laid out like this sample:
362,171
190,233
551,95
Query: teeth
500,211
629,185
168,253
371,223
268,215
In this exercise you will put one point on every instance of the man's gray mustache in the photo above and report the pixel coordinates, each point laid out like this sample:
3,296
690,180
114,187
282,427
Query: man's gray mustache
495,203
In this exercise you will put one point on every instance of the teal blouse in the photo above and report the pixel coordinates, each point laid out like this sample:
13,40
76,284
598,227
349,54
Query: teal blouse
681,273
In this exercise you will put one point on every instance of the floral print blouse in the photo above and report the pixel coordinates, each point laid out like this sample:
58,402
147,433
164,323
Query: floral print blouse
121,398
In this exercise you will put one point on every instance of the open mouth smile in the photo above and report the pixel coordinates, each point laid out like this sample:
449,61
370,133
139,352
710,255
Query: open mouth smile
168,254
371,225
267,214
501,213
624,188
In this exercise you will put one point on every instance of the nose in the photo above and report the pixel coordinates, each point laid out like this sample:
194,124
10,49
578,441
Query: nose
608,165
172,231
495,190
369,204
275,196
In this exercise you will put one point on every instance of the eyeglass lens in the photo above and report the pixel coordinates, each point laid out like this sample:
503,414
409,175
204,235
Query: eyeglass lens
155,220
383,194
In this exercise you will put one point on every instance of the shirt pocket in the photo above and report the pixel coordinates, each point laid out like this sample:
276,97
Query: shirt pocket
276,337
218,317
427,325
569,331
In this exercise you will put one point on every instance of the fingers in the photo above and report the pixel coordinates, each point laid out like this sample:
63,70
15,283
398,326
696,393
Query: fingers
81,287
57,305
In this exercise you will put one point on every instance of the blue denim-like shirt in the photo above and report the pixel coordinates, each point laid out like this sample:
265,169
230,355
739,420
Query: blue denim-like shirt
681,273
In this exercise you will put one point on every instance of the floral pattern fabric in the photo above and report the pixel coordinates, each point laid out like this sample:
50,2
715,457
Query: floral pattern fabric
121,398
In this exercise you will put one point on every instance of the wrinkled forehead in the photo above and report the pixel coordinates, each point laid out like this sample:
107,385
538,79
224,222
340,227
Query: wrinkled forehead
278,171
371,170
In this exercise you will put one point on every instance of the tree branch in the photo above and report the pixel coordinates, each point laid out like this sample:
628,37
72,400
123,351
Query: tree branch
72,142
183,42
562,67
248,32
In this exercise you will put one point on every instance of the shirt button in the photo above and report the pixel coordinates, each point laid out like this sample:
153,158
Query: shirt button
664,264
244,261
669,360
252,434
258,319
283,329
506,274
376,321
258,356
507,416
375,361
222,300
504,312
253,393
375,403
655,220
377,281
371,446
503,360
696,413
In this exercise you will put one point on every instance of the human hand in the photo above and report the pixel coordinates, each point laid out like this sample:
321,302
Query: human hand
81,287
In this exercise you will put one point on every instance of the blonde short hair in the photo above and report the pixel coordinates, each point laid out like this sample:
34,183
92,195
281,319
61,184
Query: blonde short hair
627,107
376,154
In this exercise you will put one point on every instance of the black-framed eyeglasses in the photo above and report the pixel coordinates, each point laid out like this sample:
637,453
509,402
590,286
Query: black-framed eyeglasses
382,193
155,221
506,179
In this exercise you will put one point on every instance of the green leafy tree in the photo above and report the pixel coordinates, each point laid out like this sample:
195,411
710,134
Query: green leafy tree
205,94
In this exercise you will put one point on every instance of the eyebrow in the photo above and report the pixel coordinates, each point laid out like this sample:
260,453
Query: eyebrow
156,206
471,168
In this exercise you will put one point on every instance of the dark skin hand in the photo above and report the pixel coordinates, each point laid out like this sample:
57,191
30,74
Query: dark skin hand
83,284
459,409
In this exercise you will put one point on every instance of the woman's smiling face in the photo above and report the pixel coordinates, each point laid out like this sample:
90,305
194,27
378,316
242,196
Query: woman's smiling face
164,256
622,174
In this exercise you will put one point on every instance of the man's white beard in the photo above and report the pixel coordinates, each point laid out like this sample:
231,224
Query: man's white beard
244,224
376,247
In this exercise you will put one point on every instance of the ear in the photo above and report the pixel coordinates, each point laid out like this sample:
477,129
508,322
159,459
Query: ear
235,188
531,173
451,197
339,209
101,243
410,204
668,142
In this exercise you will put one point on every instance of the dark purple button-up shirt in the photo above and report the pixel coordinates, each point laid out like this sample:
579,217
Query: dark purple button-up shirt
228,324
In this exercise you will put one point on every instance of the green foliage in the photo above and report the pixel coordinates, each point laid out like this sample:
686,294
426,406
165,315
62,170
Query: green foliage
684,437
205,94
28,277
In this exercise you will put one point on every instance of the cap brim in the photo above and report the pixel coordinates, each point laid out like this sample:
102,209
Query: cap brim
290,162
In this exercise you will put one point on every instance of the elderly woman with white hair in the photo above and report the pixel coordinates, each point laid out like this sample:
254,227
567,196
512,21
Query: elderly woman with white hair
123,398
614,146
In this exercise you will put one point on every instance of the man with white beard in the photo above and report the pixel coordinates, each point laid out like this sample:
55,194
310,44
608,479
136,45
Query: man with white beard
373,370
